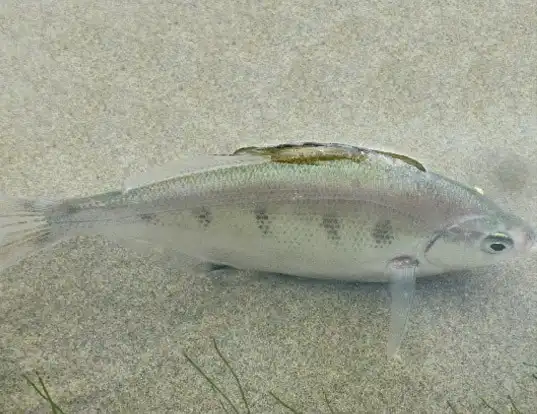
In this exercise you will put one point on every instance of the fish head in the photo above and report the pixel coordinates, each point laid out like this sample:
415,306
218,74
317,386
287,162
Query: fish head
480,241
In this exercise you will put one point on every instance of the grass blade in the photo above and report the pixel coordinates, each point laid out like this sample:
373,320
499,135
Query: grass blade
228,365
284,404
223,406
44,394
490,407
210,381
328,403
452,407
34,387
516,410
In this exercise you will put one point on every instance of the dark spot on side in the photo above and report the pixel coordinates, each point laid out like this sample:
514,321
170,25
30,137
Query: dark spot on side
148,217
204,216
262,219
72,209
64,209
28,206
383,233
43,238
332,226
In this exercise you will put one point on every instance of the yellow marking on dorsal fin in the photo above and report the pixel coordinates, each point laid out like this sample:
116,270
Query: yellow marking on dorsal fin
313,153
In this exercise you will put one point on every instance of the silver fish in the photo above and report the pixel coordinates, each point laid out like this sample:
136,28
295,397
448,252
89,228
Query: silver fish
311,210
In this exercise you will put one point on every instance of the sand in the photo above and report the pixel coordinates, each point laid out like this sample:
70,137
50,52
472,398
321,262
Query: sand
94,91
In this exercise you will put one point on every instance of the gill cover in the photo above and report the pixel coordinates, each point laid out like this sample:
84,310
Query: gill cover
473,242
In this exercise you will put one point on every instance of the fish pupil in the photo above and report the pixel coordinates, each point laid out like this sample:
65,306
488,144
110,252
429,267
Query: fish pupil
497,247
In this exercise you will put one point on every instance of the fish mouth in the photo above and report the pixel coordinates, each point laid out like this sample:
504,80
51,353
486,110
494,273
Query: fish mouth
531,241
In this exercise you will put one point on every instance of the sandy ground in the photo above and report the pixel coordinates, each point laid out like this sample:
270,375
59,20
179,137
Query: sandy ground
93,91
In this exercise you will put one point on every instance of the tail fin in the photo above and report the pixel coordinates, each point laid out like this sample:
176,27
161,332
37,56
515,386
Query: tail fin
24,229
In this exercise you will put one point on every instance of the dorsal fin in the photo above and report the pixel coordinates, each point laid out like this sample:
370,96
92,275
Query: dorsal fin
190,164
406,159
303,153
314,153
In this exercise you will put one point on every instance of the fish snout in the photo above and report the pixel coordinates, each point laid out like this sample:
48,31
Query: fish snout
530,240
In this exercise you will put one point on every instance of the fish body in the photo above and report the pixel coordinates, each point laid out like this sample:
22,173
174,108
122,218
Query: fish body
311,210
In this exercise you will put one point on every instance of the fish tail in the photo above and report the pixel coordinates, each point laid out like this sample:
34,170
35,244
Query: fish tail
25,228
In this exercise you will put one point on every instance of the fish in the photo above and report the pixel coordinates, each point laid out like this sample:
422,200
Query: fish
313,210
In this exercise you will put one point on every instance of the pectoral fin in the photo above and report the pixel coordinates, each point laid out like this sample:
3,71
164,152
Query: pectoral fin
402,272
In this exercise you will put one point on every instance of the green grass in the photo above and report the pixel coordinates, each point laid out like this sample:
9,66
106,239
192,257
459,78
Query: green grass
244,407
43,392
221,393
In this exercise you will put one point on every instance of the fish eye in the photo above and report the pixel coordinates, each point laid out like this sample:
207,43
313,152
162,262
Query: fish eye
497,243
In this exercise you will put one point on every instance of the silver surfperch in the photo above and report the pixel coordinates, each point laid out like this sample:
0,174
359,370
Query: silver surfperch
328,211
